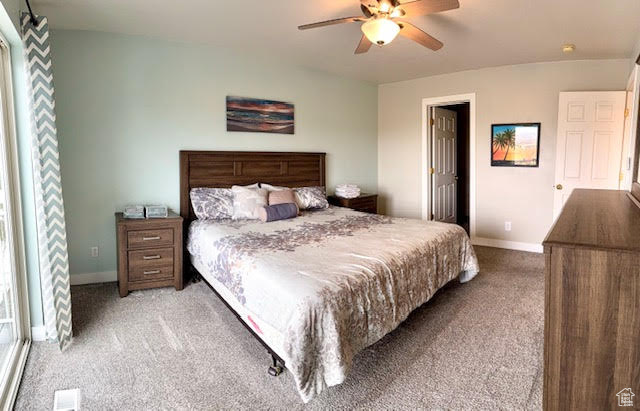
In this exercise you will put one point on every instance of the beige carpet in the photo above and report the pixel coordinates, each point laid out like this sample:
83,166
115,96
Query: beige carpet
476,345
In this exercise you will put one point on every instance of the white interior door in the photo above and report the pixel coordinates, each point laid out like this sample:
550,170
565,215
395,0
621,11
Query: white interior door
589,142
444,132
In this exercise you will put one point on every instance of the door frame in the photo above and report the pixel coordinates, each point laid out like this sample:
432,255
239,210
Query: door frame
631,174
426,163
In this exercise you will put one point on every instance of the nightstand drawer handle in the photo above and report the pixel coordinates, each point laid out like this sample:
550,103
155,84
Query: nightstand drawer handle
150,238
151,272
150,257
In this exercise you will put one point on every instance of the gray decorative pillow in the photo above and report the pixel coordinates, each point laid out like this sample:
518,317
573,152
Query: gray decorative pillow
309,198
247,202
212,203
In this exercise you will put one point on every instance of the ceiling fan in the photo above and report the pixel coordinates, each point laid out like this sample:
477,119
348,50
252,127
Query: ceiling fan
383,21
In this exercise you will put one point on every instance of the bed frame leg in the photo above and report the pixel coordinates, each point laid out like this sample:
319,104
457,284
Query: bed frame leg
276,368
195,275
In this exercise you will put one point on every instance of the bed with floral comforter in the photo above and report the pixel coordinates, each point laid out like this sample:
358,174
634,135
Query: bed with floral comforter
321,287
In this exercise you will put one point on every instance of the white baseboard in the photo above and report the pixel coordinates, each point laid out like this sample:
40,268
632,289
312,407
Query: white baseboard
38,333
510,245
93,278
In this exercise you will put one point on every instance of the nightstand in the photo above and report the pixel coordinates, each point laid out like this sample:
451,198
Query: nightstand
367,203
149,253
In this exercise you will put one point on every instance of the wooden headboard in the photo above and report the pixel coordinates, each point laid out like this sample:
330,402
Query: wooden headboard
226,168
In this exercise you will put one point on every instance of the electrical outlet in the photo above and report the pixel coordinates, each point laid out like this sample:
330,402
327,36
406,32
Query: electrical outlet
507,226
94,251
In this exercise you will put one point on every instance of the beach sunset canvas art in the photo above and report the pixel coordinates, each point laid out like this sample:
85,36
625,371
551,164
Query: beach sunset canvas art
259,115
515,145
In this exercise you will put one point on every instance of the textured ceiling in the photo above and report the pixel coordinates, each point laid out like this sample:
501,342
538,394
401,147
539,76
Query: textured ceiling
482,33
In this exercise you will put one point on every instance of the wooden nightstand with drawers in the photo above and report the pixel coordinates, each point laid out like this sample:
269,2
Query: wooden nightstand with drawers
149,253
367,203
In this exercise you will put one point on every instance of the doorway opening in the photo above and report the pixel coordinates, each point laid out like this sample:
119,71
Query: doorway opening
449,161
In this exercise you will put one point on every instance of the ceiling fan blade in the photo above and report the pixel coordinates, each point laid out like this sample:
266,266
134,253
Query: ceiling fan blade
371,7
412,32
365,9
330,22
363,46
424,7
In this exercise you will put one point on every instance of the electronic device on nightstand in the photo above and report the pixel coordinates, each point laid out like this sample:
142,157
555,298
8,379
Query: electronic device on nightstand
156,211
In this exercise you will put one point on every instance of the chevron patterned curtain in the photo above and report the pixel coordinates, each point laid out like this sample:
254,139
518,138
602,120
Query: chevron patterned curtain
52,236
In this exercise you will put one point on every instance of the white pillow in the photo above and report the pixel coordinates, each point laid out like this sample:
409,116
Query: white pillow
269,187
248,201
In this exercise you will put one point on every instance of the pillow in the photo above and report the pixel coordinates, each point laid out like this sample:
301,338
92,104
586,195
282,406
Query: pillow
269,187
247,202
278,212
212,203
285,196
309,198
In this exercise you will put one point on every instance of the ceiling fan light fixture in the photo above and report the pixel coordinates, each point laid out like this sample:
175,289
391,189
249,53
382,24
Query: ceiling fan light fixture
380,31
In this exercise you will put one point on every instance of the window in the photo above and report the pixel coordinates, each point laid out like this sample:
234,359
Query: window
14,314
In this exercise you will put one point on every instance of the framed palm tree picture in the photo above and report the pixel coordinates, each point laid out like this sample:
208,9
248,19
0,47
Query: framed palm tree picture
515,145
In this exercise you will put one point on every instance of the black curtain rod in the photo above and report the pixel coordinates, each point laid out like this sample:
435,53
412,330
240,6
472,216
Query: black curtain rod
34,20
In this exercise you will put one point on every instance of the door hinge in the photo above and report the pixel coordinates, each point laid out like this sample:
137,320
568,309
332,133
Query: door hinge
432,121
432,170
621,176
626,112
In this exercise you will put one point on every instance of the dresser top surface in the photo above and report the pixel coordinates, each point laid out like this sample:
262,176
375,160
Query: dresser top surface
597,219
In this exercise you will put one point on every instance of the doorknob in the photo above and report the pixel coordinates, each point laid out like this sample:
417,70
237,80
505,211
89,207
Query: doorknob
559,187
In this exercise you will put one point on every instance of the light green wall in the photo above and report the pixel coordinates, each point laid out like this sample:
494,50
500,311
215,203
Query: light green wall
8,26
126,105
12,11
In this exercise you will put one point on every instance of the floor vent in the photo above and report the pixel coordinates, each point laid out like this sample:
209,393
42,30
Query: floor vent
67,400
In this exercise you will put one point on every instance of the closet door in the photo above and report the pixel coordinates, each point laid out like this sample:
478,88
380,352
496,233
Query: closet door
589,144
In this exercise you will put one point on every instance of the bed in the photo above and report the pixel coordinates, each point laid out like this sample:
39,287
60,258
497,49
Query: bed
317,289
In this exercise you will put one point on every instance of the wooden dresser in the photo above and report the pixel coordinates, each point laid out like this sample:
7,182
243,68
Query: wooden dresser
149,253
592,303
367,203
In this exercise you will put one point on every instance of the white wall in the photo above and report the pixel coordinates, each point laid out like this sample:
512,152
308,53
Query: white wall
521,93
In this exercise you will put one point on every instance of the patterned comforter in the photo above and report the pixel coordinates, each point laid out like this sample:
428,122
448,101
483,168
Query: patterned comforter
330,282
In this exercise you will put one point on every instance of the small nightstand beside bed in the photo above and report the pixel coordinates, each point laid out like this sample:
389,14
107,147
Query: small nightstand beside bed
149,253
318,288
367,203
